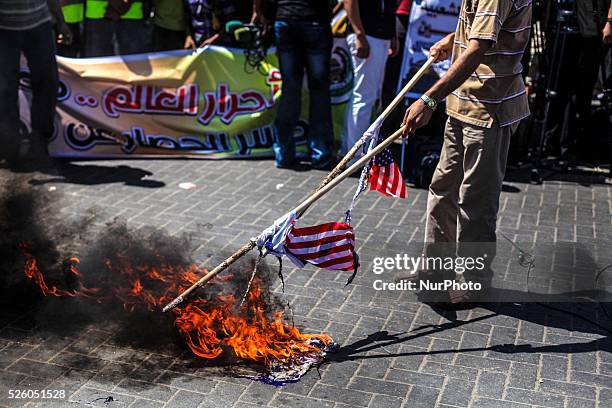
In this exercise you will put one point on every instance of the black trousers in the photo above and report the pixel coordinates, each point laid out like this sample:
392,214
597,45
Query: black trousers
167,40
38,47
570,109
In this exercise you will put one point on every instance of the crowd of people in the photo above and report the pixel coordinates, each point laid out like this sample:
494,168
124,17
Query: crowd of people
108,27
301,31
303,40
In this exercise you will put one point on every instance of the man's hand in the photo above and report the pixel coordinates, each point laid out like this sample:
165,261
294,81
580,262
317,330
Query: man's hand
394,48
210,40
259,20
607,33
189,43
64,35
417,115
443,48
362,47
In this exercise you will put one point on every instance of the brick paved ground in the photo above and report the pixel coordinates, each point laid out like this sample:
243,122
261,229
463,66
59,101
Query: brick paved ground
395,352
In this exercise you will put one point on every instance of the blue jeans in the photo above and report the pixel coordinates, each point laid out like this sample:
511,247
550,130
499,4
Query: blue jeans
132,37
304,45
38,46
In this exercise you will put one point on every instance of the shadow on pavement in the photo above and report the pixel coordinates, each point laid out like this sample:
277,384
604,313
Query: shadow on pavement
583,176
89,174
569,316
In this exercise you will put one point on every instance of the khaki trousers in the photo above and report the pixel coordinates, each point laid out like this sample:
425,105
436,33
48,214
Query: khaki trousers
464,192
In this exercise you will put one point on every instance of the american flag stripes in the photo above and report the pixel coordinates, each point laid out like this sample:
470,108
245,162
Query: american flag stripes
329,246
385,175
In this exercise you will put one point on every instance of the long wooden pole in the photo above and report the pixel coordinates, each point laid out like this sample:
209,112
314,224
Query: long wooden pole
396,101
329,182
352,169
300,208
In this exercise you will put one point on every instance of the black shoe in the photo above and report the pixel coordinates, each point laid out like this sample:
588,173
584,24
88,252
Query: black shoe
323,164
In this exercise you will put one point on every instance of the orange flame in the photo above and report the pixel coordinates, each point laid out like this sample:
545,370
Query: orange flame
211,327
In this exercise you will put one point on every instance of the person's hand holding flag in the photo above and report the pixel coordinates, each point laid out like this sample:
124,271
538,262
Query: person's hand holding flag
419,112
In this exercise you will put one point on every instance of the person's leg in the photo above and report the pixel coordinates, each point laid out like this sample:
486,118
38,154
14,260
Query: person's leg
10,44
318,42
590,59
291,64
39,50
167,40
99,37
441,215
368,76
392,76
442,208
484,166
133,37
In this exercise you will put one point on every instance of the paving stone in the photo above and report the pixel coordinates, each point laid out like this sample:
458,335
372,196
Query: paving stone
523,376
379,386
224,394
597,380
491,384
342,395
71,381
297,401
534,398
186,399
581,403
48,349
386,401
422,397
339,373
112,374
38,369
144,403
416,378
10,379
79,361
482,363
146,390
569,389
12,352
498,355
258,394
554,367
457,392
98,398
481,402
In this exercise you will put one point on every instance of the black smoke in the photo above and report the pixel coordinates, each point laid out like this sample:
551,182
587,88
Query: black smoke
32,216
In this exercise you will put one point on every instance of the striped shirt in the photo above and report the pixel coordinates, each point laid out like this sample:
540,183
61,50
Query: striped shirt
495,91
21,15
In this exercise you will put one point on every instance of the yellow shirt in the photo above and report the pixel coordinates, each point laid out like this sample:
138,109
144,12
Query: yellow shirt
495,91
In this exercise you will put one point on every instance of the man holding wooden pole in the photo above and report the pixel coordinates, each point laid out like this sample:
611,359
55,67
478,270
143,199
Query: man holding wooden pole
488,102
485,100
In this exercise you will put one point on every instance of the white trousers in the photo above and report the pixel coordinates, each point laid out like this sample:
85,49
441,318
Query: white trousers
369,76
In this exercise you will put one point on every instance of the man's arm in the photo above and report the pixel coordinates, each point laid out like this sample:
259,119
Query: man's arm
418,114
352,12
63,32
224,11
258,12
461,70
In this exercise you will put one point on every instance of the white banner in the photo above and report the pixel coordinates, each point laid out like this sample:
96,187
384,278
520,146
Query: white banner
430,21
